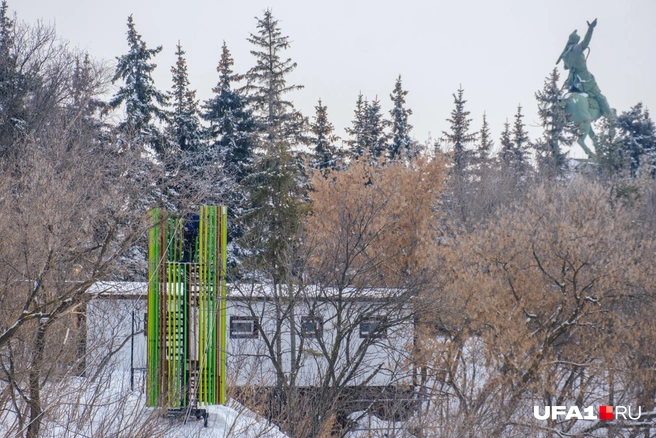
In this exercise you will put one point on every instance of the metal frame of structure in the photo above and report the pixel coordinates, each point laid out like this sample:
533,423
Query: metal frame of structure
187,309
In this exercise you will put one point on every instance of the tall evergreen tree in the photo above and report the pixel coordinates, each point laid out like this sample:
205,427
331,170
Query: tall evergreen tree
14,85
231,136
459,136
276,117
357,143
275,188
6,33
81,82
556,134
375,137
638,138
401,144
485,142
325,151
231,124
521,142
184,124
507,146
143,102
84,107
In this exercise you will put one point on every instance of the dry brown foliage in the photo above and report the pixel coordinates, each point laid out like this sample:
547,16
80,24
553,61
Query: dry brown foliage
371,225
549,304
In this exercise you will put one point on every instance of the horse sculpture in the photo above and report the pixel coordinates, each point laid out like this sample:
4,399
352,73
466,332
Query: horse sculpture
583,102
582,110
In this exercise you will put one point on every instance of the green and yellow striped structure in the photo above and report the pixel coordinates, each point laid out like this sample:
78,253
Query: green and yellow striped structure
187,308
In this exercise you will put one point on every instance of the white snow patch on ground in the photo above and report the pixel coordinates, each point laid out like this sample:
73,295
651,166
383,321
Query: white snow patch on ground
79,408
233,420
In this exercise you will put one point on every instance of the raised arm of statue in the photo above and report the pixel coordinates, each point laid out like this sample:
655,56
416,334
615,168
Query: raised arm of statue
588,35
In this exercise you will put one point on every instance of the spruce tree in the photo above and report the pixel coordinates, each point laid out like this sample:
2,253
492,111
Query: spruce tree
521,142
485,142
276,189
231,124
84,107
325,152
81,83
507,146
14,85
357,132
459,136
143,102
231,137
638,138
401,144
375,138
276,117
6,33
556,132
184,124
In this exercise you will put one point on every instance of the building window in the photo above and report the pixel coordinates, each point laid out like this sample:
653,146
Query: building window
311,327
243,327
373,327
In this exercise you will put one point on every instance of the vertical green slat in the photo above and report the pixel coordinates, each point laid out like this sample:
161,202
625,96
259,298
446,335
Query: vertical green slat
169,289
185,330
214,304
210,313
174,331
201,302
217,305
208,305
223,319
153,317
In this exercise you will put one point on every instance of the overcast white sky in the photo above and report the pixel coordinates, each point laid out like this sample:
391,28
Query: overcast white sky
500,51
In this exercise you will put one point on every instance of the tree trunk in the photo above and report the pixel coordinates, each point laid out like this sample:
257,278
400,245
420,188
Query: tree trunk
35,385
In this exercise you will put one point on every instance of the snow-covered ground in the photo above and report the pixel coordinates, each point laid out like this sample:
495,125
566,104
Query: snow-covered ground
233,420
78,407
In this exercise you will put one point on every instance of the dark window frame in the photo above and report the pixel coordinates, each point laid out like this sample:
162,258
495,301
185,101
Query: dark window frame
377,333
317,324
242,334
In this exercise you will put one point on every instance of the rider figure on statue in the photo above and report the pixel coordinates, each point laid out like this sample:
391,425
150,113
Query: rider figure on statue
580,79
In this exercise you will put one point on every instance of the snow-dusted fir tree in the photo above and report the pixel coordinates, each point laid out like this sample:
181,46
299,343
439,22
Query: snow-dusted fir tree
325,155
231,124
82,83
521,142
231,136
375,137
275,187
85,105
276,117
507,146
184,129
143,101
357,141
401,145
638,138
485,142
549,153
458,137
6,34
13,84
